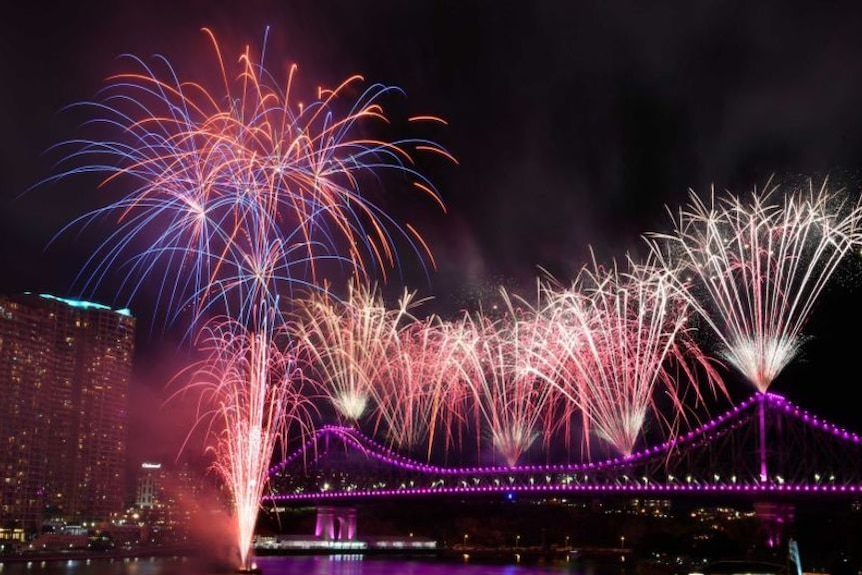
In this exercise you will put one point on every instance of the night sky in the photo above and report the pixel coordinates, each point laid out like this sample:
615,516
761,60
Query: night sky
574,124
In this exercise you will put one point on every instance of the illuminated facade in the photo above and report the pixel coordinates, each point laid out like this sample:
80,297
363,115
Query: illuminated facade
65,368
150,485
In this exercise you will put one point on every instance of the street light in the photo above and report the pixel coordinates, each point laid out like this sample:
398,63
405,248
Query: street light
622,541
465,539
517,540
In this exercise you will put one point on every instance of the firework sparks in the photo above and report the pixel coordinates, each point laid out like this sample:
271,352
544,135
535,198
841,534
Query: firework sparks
239,193
755,267
500,372
413,397
250,396
620,335
348,343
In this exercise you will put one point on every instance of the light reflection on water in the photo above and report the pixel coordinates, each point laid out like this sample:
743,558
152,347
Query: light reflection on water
127,566
297,565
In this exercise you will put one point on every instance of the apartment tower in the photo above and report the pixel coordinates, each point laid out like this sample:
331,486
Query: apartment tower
65,368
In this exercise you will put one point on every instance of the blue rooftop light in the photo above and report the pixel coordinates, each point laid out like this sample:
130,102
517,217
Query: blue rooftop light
81,304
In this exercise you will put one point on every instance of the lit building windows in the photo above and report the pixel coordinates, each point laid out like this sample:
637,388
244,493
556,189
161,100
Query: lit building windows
65,366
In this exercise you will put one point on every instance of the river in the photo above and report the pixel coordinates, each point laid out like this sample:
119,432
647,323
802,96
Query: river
300,565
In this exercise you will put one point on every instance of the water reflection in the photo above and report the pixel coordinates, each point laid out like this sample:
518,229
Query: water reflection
348,564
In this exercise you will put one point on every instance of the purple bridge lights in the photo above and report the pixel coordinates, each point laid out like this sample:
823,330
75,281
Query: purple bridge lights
764,446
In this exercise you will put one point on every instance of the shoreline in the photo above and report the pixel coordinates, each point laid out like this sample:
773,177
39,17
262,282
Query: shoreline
87,554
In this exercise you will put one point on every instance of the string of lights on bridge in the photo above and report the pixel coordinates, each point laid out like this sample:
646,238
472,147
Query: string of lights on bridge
372,449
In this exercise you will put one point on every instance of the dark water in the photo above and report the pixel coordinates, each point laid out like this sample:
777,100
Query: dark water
299,565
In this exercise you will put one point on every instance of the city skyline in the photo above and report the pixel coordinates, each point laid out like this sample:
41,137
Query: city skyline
535,196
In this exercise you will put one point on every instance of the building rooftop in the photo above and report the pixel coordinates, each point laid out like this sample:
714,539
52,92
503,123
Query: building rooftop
87,305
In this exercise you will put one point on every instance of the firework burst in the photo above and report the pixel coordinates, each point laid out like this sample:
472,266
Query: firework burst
348,343
420,384
621,336
235,194
501,374
251,395
240,192
754,267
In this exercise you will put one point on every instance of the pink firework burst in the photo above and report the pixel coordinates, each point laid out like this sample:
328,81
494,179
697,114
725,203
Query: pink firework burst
251,395
413,398
500,372
347,344
754,267
622,336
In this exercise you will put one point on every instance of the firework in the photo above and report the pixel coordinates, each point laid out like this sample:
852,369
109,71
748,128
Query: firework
416,396
500,372
235,196
620,336
753,268
251,394
240,192
348,344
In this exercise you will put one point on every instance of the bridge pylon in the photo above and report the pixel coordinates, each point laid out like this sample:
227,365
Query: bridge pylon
335,523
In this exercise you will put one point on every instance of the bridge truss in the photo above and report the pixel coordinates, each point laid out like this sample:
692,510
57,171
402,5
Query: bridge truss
765,445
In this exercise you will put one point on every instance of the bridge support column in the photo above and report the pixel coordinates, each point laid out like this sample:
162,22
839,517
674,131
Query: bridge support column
775,519
324,527
350,521
335,523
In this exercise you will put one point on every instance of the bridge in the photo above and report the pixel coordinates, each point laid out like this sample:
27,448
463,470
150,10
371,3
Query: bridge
763,446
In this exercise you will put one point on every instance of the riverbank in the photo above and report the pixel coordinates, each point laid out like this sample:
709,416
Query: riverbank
27,556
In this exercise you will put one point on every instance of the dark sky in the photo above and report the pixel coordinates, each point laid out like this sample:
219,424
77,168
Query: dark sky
574,123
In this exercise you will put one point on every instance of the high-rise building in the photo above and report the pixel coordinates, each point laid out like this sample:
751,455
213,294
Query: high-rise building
151,485
65,368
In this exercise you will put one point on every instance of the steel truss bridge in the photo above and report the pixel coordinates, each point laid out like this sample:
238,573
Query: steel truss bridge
764,446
